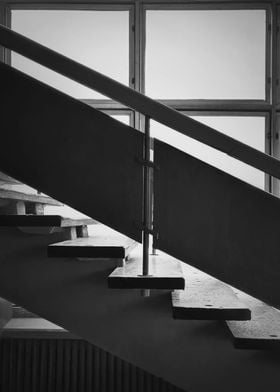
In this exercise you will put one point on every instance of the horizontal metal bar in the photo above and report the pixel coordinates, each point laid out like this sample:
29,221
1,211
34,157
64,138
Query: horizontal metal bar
105,104
219,105
75,5
207,5
139,102
147,230
220,4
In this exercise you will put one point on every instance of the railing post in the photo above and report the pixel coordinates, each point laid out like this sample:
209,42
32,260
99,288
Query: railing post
147,197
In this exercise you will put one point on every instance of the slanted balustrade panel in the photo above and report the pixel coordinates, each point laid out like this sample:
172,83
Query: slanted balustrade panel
71,152
217,223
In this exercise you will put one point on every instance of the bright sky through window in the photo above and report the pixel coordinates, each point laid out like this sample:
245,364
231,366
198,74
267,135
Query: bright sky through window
249,130
205,54
98,39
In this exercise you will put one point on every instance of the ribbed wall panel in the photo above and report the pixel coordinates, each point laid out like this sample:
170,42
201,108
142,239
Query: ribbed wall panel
68,365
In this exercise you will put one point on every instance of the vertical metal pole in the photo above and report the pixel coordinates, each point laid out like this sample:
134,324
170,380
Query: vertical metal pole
154,253
274,141
147,197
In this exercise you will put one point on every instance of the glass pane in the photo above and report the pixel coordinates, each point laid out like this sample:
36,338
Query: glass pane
97,39
205,54
249,130
124,118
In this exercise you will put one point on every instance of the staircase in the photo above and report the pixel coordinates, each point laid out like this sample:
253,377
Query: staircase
203,217
39,355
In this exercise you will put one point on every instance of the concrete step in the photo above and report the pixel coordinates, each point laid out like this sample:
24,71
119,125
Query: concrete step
110,246
6,312
206,298
43,221
165,273
12,195
5,179
262,331
19,312
32,328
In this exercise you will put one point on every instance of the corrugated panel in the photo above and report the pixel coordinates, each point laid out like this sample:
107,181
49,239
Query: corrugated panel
217,223
53,365
72,152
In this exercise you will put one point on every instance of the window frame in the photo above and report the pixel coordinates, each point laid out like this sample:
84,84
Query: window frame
267,129
257,103
95,6
137,24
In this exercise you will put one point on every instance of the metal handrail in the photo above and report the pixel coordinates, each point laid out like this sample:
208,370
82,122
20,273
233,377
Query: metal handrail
138,102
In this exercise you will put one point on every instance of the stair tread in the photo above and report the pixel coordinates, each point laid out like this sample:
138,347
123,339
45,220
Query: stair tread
5,179
19,312
43,221
206,298
31,324
100,245
262,331
28,197
32,328
165,273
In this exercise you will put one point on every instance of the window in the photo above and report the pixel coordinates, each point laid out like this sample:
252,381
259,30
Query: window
249,130
213,62
97,39
205,54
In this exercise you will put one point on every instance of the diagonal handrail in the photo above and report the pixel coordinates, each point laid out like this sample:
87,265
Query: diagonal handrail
137,101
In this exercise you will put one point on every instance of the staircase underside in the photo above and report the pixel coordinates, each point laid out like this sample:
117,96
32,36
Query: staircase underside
140,330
